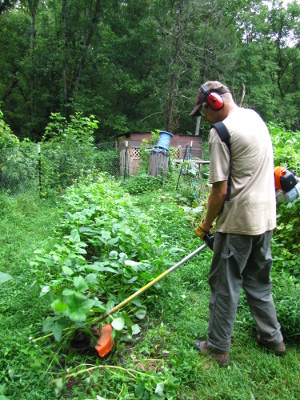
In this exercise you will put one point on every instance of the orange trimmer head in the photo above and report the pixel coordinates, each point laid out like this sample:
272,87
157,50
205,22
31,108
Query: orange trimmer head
104,343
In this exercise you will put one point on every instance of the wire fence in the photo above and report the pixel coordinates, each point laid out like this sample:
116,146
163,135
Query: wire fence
50,167
108,159
19,169
44,167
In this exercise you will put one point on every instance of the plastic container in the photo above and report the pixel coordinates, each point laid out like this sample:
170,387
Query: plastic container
164,140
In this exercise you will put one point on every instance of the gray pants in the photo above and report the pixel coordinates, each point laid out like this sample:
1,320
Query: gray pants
241,261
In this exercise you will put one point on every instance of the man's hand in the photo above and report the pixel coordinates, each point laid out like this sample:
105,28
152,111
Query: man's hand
201,230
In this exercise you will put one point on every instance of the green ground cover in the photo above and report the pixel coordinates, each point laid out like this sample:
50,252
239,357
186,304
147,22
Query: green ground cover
157,360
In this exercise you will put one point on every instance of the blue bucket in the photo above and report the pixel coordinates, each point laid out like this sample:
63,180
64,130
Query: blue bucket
164,140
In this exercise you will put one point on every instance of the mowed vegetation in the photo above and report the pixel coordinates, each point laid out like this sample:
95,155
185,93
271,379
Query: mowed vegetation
75,256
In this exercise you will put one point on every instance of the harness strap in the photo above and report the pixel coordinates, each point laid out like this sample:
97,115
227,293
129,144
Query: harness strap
225,137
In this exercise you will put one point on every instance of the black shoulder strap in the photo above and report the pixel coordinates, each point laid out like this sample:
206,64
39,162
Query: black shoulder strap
223,133
225,137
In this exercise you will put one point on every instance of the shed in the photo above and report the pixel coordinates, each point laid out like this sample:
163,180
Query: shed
134,140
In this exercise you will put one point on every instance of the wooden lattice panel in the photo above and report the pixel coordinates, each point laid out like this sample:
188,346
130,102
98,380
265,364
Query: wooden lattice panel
135,152
177,152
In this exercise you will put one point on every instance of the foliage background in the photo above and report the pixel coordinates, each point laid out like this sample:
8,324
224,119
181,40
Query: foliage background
137,65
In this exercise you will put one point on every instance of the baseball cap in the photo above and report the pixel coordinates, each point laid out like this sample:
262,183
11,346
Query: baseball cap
212,86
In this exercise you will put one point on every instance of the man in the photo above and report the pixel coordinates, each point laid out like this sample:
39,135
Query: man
246,217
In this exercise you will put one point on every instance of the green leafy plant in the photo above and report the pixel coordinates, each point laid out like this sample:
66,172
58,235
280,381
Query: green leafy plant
145,150
142,183
7,138
103,253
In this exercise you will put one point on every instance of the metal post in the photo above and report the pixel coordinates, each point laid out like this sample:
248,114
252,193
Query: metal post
39,168
126,154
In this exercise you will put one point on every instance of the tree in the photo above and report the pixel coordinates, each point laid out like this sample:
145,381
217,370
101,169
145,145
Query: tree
137,65
269,62
32,5
7,5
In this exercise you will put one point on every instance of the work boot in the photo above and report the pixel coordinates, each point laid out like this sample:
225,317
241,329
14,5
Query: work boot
221,358
277,348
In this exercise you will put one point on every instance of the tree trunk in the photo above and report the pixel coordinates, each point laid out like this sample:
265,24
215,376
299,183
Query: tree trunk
87,44
32,7
170,112
158,163
197,130
64,21
204,59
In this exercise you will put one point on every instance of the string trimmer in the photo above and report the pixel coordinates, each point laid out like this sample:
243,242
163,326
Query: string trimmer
105,342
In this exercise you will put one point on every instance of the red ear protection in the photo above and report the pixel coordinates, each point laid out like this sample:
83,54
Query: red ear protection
215,100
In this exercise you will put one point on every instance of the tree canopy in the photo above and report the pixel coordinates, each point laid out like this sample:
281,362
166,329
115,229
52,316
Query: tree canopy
137,64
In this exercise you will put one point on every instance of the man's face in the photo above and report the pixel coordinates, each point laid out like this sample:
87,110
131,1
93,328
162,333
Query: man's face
208,113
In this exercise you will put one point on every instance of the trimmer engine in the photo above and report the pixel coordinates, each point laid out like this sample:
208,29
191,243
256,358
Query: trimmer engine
287,185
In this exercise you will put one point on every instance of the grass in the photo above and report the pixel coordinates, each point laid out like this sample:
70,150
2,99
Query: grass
161,362
25,224
252,373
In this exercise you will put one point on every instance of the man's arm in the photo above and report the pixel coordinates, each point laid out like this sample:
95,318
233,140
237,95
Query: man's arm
215,203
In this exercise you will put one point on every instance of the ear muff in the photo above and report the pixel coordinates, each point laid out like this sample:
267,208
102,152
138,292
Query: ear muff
215,100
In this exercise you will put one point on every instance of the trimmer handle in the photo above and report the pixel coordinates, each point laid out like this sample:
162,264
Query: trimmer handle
209,240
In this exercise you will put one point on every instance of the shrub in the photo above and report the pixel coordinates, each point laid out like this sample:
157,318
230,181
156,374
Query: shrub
285,243
67,150
286,146
7,138
18,161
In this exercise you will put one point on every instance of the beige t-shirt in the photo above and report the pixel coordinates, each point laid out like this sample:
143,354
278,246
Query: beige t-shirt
251,209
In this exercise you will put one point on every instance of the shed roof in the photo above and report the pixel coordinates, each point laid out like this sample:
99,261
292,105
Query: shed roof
128,134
